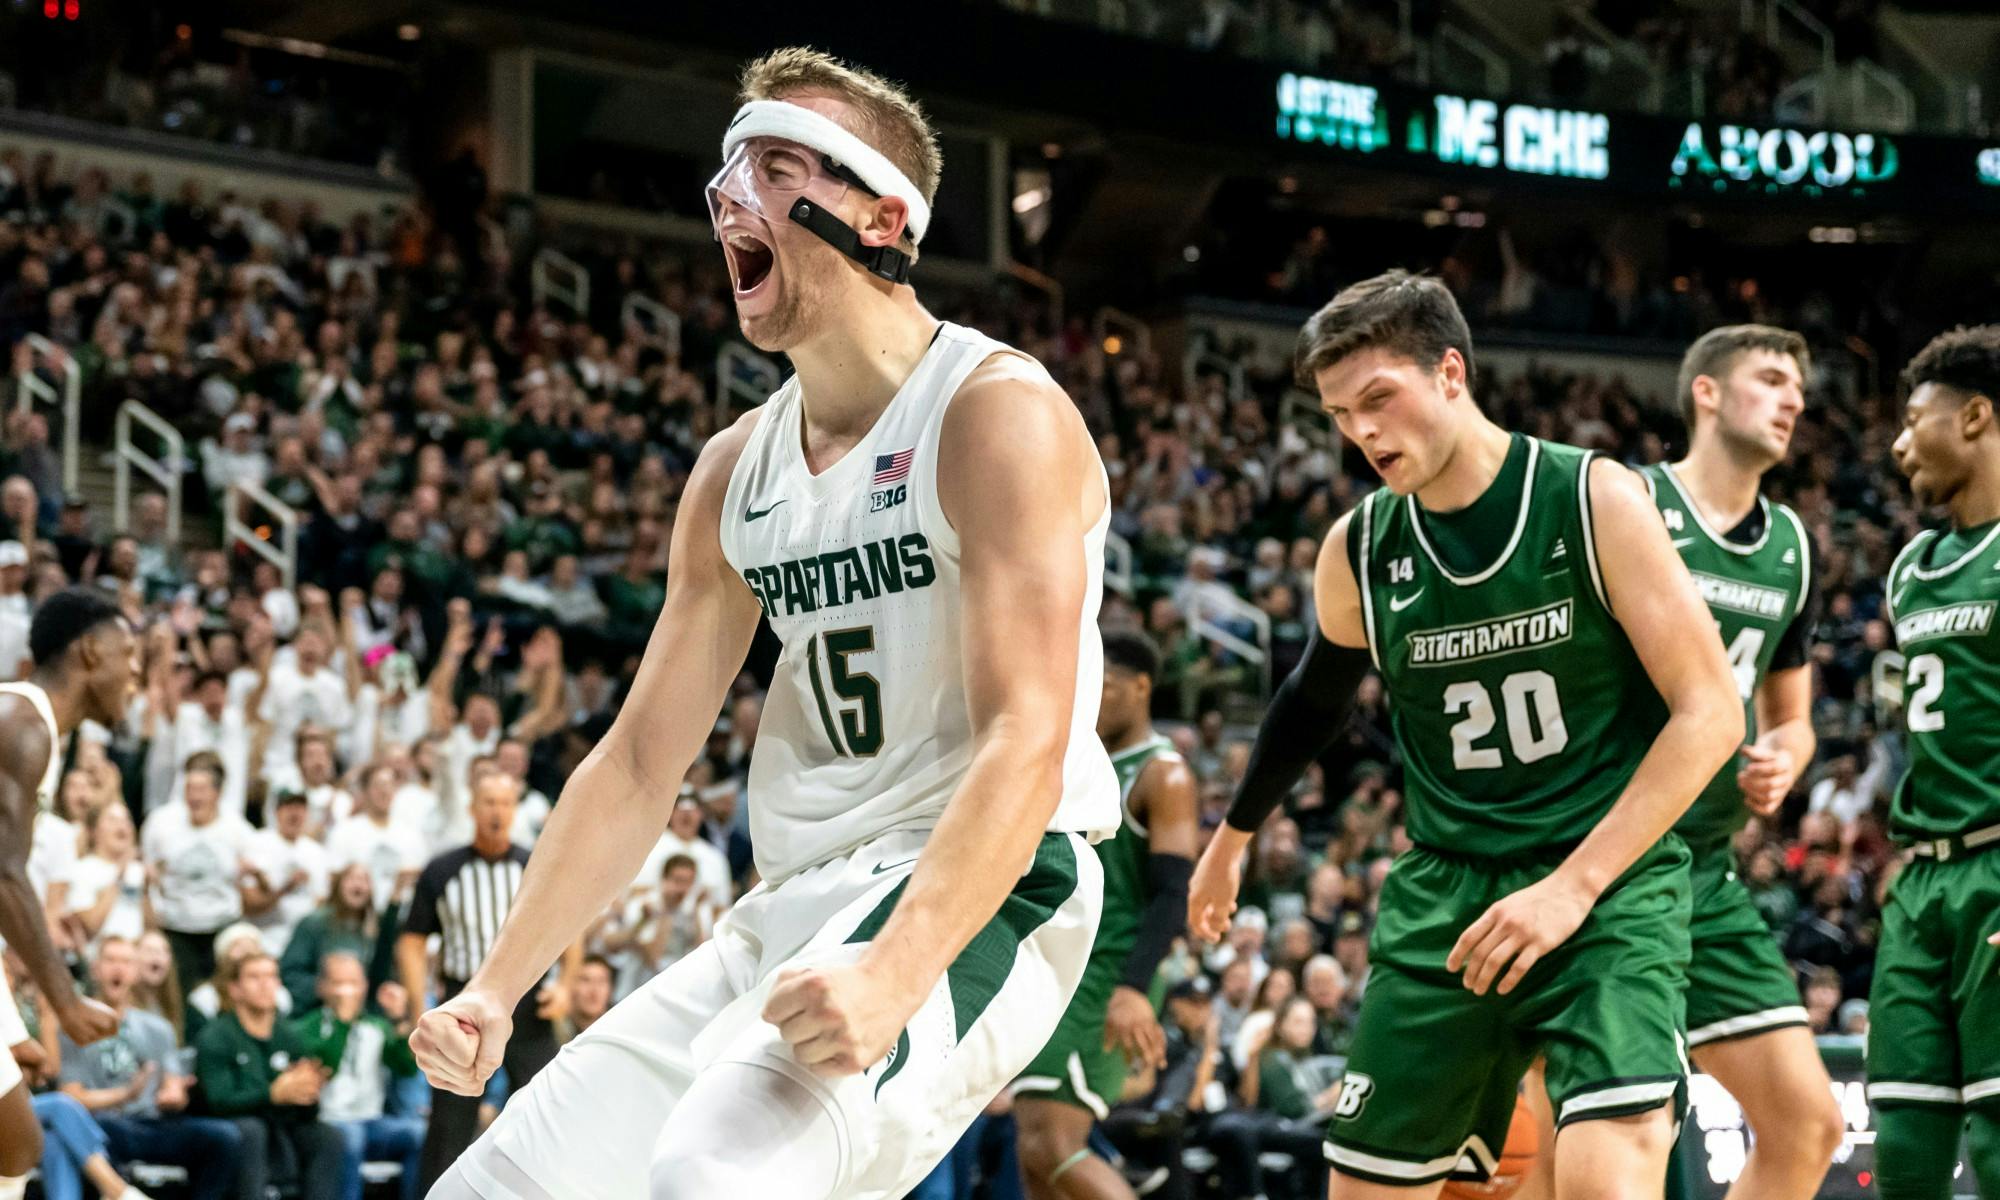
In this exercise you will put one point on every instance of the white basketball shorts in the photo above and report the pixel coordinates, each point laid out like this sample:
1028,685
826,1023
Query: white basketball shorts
586,1127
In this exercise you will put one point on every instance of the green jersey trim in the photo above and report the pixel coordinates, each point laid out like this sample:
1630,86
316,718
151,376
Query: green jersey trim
1701,521
1589,523
1896,571
1520,526
1978,549
1363,576
1162,750
1805,559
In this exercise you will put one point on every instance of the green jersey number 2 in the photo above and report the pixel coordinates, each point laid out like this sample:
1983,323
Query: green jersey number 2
861,717
1535,726
1924,681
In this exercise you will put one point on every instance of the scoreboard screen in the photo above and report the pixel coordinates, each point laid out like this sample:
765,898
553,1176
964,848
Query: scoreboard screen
1385,125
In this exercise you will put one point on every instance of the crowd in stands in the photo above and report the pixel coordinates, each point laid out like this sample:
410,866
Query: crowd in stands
488,489
145,68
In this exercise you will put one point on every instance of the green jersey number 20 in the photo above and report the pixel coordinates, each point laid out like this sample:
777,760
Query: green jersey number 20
1535,726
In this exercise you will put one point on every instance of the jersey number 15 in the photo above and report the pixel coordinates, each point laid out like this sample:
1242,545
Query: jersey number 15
859,734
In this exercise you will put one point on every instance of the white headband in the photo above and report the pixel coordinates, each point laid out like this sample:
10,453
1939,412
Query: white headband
778,119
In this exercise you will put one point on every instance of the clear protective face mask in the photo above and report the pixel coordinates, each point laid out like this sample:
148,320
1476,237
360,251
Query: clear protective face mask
768,176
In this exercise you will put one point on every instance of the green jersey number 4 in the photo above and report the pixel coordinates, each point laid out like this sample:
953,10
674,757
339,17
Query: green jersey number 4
1743,652
1535,727
861,716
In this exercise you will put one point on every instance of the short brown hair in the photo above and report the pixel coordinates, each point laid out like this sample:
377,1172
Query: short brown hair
1399,311
879,112
1714,354
229,970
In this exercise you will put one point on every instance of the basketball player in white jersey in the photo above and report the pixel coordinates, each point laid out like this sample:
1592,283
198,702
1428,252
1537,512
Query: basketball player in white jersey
920,514
86,665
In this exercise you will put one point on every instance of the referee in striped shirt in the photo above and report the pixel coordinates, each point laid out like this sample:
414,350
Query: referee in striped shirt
463,896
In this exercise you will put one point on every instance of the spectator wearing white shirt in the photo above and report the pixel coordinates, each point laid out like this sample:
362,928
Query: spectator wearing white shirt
394,854
417,805
1846,794
572,598
194,854
226,655
475,737
214,721
285,873
303,692
511,756
107,894
649,931
389,707
683,836
51,868
14,657
236,458
14,579
318,782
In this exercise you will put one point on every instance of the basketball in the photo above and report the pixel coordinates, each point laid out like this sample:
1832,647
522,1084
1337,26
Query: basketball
1517,1159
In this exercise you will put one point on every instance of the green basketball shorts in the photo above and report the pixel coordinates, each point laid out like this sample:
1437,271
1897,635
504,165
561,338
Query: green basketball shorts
1739,984
1432,1076
1075,1068
1934,1011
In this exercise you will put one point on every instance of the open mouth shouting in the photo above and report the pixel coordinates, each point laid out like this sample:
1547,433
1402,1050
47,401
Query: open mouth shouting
752,263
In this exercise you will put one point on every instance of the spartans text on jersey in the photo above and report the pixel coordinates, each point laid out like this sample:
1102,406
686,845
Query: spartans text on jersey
842,576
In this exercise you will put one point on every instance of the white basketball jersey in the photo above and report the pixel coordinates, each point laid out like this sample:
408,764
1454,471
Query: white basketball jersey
866,729
52,773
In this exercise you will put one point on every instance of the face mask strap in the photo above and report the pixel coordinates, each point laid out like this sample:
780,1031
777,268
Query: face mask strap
887,262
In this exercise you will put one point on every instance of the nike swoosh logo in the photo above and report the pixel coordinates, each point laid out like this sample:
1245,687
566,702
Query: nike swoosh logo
884,868
752,514
1399,603
1679,542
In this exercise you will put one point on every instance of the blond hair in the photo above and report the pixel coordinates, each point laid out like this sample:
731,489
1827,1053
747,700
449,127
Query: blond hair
878,111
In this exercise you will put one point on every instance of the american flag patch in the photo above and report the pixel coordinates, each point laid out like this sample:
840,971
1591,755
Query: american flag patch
891,467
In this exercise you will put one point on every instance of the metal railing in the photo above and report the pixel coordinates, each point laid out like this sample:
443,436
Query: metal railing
1782,17
655,322
1112,322
742,373
1879,98
1118,565
1044,284
30,388
1235,380
284,555
557,276
1300,412
1492,67
163,469
1652,79
1205,619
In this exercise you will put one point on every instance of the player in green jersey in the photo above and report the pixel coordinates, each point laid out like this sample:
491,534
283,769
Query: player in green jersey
1742,388
1560,697
1934,1008
1110,1020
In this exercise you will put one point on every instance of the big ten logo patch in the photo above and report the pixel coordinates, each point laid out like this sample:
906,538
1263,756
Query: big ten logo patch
1355,1088
888,497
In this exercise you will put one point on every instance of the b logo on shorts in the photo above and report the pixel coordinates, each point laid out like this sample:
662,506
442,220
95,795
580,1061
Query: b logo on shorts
1355,1088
